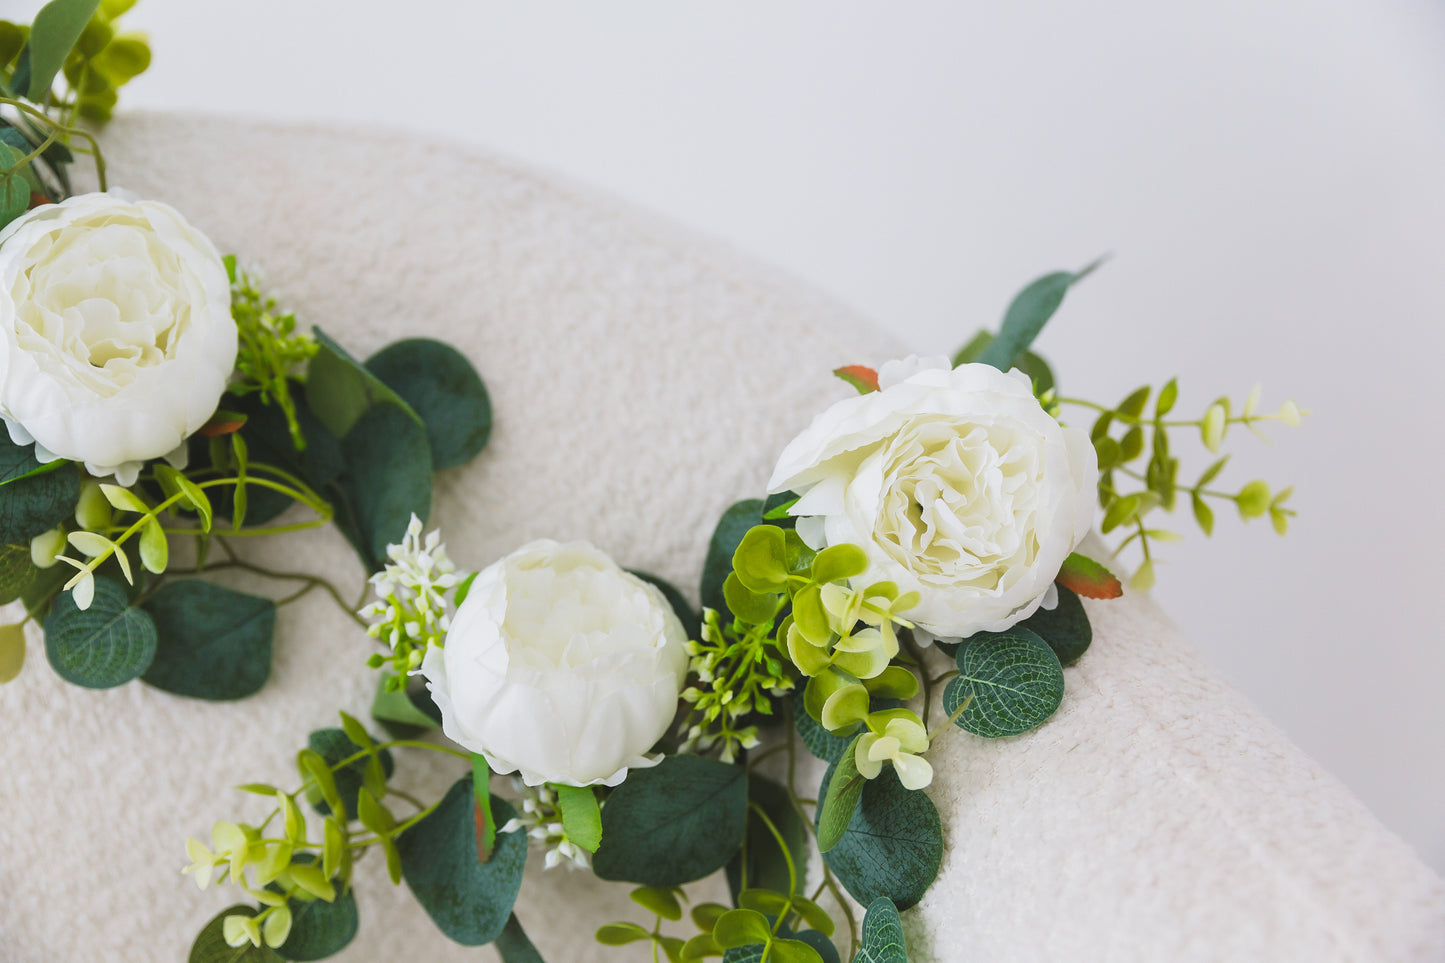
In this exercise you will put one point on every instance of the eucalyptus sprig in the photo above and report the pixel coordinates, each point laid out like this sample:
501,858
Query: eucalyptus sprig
345,776
1131,489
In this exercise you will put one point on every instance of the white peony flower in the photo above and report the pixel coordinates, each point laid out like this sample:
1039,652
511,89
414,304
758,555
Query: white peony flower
560,666
116,335
956,483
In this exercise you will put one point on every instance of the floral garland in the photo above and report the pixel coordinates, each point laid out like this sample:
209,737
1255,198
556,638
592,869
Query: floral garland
161,409
917,553
918,550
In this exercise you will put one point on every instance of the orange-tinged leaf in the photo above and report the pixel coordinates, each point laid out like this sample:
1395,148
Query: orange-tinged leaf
863,378
1084,576
223,423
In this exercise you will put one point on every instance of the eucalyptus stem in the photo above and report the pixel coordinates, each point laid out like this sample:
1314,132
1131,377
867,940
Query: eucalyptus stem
65,129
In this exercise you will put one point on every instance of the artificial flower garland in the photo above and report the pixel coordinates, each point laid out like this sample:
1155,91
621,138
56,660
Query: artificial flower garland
917,551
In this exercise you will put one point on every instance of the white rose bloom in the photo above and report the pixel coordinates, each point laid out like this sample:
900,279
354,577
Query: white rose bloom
956,483
560,666
116,335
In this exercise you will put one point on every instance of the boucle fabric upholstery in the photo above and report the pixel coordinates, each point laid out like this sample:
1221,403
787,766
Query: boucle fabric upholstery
643,380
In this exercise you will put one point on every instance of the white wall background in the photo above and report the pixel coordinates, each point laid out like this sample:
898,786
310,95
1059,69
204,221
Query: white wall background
1268,174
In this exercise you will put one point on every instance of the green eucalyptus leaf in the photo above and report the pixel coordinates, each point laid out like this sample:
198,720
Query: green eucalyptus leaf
388,478
734,524
1027,315
842,788
445,391
340,390
16,461
320,928
36,503
106,645
398,708
775,510
212,642
211,946
470,901
1031,364
893,845
54,33
17,572
513,946
883,940
766,866
334,745
673,823
1065,627
1012,680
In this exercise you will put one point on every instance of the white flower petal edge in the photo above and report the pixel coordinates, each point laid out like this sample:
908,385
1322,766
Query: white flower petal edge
560,666
116,335
955,482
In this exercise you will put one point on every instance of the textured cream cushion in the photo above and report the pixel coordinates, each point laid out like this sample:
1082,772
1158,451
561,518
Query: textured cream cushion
644,379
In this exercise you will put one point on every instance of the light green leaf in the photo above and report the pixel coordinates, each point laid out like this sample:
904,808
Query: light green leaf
211,946
736,522
330,747
883,940
740,927
174,483
470,901
673,823
213,642
660,900
1027,315
837,563
1168,395
1203,514
621,934
310,878
12,651
319,927
53,34
107,644
581,816
124,499
155,550
760,561
844,788
1011,680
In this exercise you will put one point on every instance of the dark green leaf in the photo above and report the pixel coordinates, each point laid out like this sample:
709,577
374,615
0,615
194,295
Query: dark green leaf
445,391
775,510
731,528
820,943
766,866
320,929
107,645
340,390
57,26
686,614
673,823
1065,627
1033,365
17,572
883,940
211,946
470,901
513,946
16,461
334,745
1028,314
213,642
975,348
843,786
37,503
388,478
893,846
1013,678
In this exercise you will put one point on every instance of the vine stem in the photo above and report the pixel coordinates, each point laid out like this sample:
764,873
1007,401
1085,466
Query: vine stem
51,122
313,581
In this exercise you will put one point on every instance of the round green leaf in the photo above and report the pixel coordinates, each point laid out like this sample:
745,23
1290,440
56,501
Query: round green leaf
320,929
893,845
1015,681
213,642
819,741
211,946
673,823
334,745
1065,627
37,503
107,645
470,901
731,528
445,391
883,940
